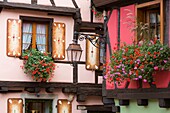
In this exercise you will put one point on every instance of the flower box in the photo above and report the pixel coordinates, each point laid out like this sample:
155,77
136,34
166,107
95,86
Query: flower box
139,65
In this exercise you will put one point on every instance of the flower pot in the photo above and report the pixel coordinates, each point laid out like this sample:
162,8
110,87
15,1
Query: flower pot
162,79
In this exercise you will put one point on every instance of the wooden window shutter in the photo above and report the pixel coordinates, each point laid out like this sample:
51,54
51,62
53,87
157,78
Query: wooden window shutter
15,105
14,37
92,55
58,41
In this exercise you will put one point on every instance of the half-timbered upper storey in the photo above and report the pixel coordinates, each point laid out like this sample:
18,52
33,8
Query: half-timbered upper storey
122,17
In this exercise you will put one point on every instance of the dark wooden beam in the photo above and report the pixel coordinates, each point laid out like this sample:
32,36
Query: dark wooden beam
94,108
115,108
11,91
97,74
89,91
4,88
140,93
50,89
49,9
109,4
91,25
142,102
1,9
104,91
33,89
164,103
69,90
99,3
81,98
83,92
52,2
123,102
108,101
23,84
68,62
75,4
81,89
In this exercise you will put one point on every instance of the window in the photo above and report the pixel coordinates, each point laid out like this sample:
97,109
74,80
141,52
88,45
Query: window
152,13
36,33
38,106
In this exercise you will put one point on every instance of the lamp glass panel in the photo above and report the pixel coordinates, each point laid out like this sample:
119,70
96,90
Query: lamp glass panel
69,55
76,55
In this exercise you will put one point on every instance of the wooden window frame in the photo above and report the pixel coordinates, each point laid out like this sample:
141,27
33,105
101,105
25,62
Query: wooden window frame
161,14
48,21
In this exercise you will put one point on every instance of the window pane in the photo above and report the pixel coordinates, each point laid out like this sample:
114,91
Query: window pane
27,35
41,37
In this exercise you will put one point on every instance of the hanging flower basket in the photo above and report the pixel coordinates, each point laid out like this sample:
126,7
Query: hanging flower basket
138,62
38,65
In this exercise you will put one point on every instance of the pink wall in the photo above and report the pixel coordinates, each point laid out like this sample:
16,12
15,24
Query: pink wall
13,71
20,1
113,35
125,34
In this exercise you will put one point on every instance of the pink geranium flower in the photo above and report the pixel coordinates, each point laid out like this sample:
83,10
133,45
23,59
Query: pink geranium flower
156,68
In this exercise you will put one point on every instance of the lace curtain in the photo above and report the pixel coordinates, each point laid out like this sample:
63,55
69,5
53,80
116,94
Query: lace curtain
41,37
27,35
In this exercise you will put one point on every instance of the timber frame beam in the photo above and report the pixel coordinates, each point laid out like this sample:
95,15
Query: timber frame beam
65,11
109,4
82,90
100,108
142,95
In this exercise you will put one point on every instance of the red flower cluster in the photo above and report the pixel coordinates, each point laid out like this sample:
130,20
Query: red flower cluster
39,65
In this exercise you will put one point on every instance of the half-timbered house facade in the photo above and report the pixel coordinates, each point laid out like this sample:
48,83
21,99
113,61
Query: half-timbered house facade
48,26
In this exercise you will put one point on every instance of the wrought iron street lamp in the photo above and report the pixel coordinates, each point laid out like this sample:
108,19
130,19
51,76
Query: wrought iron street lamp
74,52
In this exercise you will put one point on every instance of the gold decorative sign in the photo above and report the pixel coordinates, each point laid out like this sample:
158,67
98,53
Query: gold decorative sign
13,37
58,41
92,55
15,105
64,106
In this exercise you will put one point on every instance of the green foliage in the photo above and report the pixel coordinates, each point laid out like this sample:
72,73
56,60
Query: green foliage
39,65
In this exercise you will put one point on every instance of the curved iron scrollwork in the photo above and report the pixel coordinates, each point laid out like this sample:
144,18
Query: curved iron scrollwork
95,39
